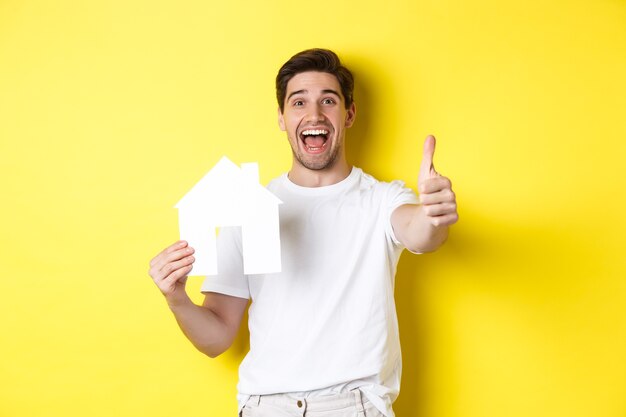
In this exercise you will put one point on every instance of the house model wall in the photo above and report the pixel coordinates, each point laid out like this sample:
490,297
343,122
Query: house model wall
231,196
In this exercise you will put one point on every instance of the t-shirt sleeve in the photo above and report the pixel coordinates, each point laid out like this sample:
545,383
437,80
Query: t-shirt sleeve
230,279
397,195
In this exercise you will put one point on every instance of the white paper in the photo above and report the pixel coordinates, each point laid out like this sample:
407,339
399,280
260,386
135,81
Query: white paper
231,196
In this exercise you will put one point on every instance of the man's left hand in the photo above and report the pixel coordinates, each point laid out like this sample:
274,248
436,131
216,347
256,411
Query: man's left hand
436,195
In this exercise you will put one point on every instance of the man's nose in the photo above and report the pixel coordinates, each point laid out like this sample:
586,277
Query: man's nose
315,114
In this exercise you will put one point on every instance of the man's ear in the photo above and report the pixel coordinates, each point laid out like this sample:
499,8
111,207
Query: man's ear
281,120
351,115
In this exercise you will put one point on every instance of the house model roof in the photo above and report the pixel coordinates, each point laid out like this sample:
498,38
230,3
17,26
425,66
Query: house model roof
228,186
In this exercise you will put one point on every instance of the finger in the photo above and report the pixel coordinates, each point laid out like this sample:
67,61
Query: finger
172,267
427,169
179,274
444,196
445,220
435,184
176,245
177,255
441,209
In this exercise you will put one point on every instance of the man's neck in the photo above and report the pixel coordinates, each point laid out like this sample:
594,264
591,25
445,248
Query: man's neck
305,177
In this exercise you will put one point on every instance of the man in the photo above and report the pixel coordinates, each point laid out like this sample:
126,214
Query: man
323,332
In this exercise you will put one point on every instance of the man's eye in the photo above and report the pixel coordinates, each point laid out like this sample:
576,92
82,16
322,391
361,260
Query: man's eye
298,103
328,101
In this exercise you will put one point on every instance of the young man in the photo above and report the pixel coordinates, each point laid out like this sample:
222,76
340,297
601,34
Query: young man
323,332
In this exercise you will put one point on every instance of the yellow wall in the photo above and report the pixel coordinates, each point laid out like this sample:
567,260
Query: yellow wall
110,111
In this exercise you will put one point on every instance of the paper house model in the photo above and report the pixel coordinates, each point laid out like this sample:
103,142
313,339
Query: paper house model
231,196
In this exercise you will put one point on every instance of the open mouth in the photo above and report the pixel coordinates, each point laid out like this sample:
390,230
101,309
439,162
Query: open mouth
314,140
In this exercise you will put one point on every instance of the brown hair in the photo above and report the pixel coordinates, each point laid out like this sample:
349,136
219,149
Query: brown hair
321,60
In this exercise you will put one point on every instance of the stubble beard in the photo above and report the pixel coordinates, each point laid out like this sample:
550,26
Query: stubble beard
317,163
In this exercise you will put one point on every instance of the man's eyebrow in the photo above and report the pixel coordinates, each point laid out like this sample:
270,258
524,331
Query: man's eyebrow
296,92
329,91
326,91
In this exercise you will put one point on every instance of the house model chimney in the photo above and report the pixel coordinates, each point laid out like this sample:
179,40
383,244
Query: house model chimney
250,172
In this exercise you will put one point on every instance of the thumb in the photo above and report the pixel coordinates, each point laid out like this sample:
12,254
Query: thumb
427,169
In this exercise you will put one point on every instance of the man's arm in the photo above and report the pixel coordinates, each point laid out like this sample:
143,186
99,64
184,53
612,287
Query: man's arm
211,327
424,227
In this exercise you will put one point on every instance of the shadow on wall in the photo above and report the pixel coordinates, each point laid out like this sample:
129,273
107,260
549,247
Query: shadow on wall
417,289
412,269
413,317
369,96
358,137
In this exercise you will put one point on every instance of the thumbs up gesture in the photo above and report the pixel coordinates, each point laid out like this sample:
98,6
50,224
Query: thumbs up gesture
436,195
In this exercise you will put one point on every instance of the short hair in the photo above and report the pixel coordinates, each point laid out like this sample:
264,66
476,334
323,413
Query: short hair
321,60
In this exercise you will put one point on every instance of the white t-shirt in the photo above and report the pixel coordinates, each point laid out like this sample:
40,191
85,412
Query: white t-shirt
326,323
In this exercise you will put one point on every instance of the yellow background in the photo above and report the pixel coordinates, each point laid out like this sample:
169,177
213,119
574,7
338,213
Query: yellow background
110,111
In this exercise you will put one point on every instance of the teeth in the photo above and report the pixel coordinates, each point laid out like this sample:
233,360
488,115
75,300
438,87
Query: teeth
313,148
315,132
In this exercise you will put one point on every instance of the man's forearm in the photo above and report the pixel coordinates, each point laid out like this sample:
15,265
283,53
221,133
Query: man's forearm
416,231
426,237
205,329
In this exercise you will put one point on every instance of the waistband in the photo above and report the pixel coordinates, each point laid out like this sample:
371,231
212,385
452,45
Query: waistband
322,403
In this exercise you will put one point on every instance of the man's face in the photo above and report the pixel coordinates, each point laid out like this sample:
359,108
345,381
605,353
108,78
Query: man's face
315,119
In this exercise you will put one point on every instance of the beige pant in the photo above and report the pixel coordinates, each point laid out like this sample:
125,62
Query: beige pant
349,404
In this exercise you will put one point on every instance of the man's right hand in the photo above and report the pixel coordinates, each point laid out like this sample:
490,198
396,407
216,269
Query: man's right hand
169,270
211,327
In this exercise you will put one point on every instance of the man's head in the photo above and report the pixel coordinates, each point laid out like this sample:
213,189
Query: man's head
313,90
319,60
